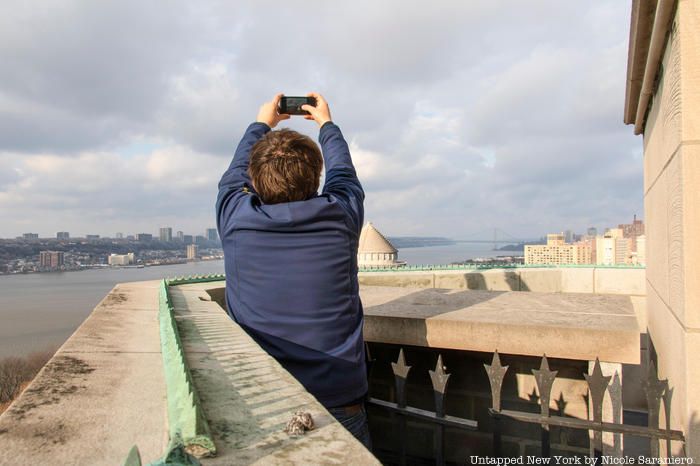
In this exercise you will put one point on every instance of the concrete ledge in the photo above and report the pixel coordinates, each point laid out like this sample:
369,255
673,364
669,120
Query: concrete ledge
568,326
102,392
598,280
248,397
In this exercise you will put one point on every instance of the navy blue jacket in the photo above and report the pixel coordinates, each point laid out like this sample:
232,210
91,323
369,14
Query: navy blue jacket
291,270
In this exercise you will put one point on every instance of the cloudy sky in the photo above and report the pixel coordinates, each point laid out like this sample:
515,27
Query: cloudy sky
462,116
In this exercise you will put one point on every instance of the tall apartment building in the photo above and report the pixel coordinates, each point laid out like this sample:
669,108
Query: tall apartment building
51,259
166,234
558,252
192,250
613,248
212,234
632,231
62,235
30,236
144,237
187,239
180,236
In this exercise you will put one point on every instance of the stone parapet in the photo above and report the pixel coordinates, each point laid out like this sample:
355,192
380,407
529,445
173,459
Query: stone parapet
596,280
561,325
102,392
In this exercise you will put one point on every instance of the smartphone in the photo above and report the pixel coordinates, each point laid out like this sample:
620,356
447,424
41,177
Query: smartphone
292,105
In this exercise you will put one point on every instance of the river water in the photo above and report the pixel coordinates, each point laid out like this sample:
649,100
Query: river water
41,310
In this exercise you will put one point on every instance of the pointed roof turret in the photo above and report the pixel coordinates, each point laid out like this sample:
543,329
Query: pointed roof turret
372,241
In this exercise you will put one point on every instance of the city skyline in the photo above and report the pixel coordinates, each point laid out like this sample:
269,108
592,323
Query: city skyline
212,233
123,234
510,128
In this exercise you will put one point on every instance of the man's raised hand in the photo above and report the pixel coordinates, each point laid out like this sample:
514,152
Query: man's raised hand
320,113
269,113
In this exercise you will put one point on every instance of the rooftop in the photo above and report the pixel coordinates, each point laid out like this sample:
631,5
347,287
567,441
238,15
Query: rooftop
105,390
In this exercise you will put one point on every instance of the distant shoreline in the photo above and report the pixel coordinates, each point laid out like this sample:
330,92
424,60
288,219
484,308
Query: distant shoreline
110,267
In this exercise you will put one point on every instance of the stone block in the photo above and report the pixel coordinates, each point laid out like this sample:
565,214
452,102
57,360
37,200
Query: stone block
656,213
403,279
494,280
526,323
620,281
662,134
577,280
639,304
691,232
676,300
454,281
540,280
688,25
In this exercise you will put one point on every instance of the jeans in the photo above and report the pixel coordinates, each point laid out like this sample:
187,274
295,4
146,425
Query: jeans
356,424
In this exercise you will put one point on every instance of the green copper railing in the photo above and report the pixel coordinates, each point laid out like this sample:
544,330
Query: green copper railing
487,266
188,430
185,416
216,277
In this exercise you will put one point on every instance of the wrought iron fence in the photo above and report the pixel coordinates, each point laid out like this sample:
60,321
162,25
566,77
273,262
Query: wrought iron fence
439,378
657,391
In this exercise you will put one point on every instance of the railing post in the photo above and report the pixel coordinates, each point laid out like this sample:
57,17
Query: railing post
597,385
667,397
544,379
496,373
439,378
401,370
654,389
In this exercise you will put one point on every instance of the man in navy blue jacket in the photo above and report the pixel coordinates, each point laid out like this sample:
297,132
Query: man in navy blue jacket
291,256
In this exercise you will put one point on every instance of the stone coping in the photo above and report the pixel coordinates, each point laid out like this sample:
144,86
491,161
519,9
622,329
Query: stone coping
101,393
560,325
597,280
248,397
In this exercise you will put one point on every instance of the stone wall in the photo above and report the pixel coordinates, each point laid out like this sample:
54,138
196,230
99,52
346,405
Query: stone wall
600,280
672,211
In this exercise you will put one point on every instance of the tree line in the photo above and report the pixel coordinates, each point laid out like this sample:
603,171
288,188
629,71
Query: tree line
16,372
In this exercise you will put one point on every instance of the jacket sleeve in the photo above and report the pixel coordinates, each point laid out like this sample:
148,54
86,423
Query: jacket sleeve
341,178
235,183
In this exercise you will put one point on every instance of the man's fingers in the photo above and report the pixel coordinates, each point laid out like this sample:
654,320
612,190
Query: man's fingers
319,98
309,108
276,99
308,117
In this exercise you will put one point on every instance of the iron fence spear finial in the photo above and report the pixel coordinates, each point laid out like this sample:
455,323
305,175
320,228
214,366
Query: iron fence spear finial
496,373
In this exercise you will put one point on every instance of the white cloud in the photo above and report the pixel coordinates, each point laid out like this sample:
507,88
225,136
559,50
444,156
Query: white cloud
461,115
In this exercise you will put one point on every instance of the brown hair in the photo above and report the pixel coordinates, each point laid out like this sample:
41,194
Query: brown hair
285,166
